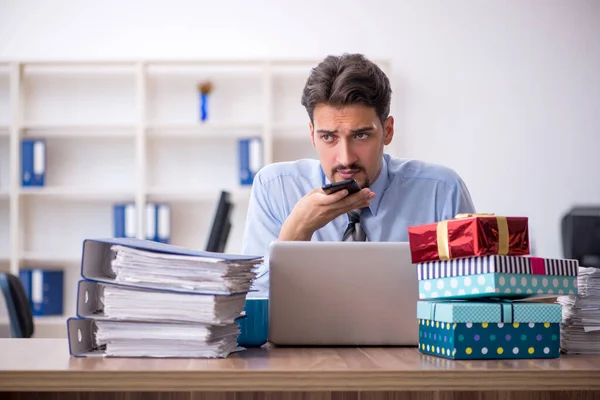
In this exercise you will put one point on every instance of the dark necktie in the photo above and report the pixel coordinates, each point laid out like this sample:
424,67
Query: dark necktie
354,231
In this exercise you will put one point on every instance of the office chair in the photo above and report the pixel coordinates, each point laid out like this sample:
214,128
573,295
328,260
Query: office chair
221,226
19,311
580,229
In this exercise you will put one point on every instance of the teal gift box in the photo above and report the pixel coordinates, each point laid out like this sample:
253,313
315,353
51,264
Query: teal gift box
469,330
254,326
509,277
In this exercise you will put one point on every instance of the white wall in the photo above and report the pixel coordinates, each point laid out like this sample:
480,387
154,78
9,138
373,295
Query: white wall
505,92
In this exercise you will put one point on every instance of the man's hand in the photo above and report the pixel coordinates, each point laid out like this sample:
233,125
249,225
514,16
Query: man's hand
317,209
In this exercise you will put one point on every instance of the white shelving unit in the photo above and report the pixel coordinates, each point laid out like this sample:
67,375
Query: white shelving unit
130,132
5,163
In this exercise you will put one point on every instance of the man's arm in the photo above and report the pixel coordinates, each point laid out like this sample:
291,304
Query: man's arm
458,201
262,225
317,209
265,221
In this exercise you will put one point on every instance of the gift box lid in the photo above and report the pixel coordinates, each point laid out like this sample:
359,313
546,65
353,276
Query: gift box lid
497,264
461,311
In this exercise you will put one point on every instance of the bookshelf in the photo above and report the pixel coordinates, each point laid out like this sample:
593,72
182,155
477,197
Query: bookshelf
129,131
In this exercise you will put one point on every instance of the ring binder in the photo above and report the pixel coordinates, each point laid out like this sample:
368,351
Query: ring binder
141,298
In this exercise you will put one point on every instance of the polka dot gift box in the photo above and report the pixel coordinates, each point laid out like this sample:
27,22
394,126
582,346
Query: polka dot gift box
496,276
468,330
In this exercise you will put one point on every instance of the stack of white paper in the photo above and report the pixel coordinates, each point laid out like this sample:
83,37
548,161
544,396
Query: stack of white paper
139,339
580,328
125,303
142,299
181,272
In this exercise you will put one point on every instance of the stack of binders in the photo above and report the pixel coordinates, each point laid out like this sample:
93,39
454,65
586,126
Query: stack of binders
474,274
139,298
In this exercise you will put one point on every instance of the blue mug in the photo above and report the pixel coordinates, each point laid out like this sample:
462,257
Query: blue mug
255,326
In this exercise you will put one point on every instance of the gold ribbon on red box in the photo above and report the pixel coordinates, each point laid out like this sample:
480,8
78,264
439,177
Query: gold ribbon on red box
442,235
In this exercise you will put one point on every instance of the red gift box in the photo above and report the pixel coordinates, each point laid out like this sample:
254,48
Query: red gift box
469,235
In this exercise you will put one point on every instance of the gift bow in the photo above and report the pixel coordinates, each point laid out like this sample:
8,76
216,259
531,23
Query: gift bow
442,234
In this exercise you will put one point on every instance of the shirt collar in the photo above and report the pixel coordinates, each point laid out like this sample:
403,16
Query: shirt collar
378,187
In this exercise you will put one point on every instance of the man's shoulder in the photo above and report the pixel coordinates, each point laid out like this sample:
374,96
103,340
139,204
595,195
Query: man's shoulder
409,169
304,168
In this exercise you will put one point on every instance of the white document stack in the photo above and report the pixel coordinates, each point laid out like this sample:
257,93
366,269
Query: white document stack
580,327
154,300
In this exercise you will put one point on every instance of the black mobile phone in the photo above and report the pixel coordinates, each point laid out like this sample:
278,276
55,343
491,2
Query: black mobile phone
349,184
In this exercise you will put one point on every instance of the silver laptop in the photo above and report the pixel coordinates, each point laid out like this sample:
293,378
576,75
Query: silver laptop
342,293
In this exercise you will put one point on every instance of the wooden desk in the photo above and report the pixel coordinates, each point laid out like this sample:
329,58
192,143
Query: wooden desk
44,365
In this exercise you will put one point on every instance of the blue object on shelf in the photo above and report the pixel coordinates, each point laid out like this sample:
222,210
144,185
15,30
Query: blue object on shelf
33,162
250,152
158,222
124,220
44,289
255,327
203,107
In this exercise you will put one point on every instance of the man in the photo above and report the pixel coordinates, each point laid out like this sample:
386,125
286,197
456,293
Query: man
348,103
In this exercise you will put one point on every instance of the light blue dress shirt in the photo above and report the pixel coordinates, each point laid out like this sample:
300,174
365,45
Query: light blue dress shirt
408,192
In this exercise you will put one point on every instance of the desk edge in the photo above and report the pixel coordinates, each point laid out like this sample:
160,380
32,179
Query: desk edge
262,381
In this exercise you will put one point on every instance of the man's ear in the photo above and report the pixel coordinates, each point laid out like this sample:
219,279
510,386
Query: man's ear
388,130
312,133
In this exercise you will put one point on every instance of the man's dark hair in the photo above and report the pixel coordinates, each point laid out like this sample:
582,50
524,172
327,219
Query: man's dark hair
346,80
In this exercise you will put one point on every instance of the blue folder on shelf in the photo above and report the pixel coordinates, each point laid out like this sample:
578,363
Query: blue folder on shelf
33,162
250,159
44,290
158,222
125,221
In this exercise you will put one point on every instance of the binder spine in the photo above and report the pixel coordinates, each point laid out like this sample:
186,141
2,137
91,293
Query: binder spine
119,220
250,159
130,221
80,335
124,221
44,290
163,222
33,162
151,221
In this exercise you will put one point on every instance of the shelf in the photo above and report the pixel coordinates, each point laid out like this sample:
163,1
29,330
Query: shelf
42,320
156,194
129,131
78,130
73,193
205,131
51,320
212,68
46,259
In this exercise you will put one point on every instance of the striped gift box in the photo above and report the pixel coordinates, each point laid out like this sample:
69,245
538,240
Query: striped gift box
496,264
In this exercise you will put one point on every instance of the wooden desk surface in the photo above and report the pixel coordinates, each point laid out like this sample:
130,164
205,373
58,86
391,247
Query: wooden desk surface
45,365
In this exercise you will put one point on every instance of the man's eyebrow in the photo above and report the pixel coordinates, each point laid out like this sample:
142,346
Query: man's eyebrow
363,130
354,131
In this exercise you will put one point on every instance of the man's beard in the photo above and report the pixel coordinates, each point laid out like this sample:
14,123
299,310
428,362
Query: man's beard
357,167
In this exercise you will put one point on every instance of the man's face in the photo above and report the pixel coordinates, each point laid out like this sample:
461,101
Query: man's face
349,142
